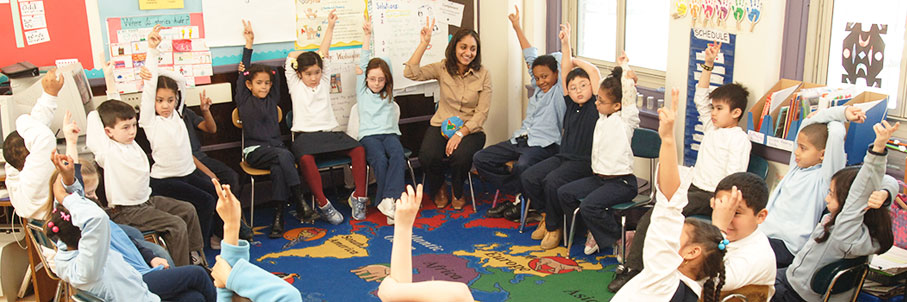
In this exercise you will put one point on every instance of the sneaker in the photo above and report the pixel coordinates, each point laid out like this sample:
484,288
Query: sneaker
591,246
330,214
387,207
215,242
358,206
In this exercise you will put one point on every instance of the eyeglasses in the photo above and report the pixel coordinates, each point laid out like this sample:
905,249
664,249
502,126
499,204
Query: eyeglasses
578,87
371,79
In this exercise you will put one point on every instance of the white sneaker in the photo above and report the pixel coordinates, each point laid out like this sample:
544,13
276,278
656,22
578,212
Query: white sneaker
591,247
387,207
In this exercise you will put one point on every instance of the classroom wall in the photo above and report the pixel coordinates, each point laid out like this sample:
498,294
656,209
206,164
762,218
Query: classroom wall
757,64
500,54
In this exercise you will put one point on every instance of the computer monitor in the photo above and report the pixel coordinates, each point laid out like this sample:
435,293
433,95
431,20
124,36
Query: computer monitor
75,97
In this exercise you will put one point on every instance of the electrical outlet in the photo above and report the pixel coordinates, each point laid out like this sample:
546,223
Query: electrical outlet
133,99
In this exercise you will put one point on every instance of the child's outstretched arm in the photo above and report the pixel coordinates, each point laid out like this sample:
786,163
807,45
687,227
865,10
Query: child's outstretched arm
628,111
366,54
328,35
515,23
209,125
566,55
150,75
242,92
398,286
44,108
701,96
668,175
413,70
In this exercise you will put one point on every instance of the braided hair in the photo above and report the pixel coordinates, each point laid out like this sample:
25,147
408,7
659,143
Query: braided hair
712,270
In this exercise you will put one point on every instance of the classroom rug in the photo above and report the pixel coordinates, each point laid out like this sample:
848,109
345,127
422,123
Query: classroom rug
347,262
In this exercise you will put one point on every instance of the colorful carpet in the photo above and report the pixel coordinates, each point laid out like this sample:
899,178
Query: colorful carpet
347,262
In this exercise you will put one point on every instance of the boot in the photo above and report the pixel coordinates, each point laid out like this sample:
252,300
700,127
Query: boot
540,231
458,203
441,197
277,226
305,213
552,239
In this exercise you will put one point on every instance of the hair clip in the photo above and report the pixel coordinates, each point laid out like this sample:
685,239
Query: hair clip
55,229
722,245
273,71
246,73
50,224
65,216
54,211
294,64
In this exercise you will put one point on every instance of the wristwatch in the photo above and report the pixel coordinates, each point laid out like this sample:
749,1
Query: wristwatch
706,67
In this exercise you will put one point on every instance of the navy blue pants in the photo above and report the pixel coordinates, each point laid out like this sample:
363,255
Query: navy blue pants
224,173
385,155
542,180
490,162
598,195
783,291
137,236
183,283
783,257
195,188
282,164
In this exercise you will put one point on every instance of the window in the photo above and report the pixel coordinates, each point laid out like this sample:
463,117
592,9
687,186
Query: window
859,45
603,28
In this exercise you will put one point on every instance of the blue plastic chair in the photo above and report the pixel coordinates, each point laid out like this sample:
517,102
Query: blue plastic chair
841,276
758,166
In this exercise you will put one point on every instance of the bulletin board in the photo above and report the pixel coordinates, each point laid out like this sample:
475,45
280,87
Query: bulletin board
723,73
67,26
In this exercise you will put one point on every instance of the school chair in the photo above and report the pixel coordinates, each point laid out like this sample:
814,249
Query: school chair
79,295
38,239
156,238
494,202
749,293
246,168
645,144
352,129
330,164
841,276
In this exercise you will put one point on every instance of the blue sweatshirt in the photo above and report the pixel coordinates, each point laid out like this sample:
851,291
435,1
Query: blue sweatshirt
376,115
798,201
250,281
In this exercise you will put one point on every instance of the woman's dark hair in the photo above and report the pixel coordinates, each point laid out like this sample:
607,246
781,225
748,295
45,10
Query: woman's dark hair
877,221
165,82
59,227
307,59
611,85
387,92
708,237
547,61
451,53
255,69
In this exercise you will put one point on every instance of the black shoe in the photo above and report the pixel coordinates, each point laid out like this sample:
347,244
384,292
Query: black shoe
512,213
498,210
277,226
622,278
245,232
305,213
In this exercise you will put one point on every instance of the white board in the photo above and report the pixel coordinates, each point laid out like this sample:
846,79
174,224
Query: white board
396,25
272,20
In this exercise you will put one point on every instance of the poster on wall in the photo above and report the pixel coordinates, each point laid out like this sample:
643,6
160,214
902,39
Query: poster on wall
867,45
183,48
34,23
396,25
342,68
723,73
312,21
273,21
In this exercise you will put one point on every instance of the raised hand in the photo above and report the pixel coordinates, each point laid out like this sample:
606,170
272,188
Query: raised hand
65,165
666,117
883,131
70,129
711,53
425,33
724,209
154,37
564,34
241,67
332,18
367,27
228,206
51,83
247,32
221,272
622,59
877,199
854,114
515,17
204,101
408,206
145,74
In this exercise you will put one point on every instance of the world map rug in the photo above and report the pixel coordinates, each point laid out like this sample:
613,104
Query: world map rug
347,262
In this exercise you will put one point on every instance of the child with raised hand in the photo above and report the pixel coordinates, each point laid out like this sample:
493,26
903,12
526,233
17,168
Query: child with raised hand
110,135
257,95
680,253
858,223
316,127
724,150
25,150
542,180
612,160
379,131
399,285
539,135
233,273
796,204
174,173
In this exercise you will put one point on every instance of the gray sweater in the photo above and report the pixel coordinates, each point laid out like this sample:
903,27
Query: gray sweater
849,237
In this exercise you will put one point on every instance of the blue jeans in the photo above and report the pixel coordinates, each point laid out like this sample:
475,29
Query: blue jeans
490,162
184,283
385,155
